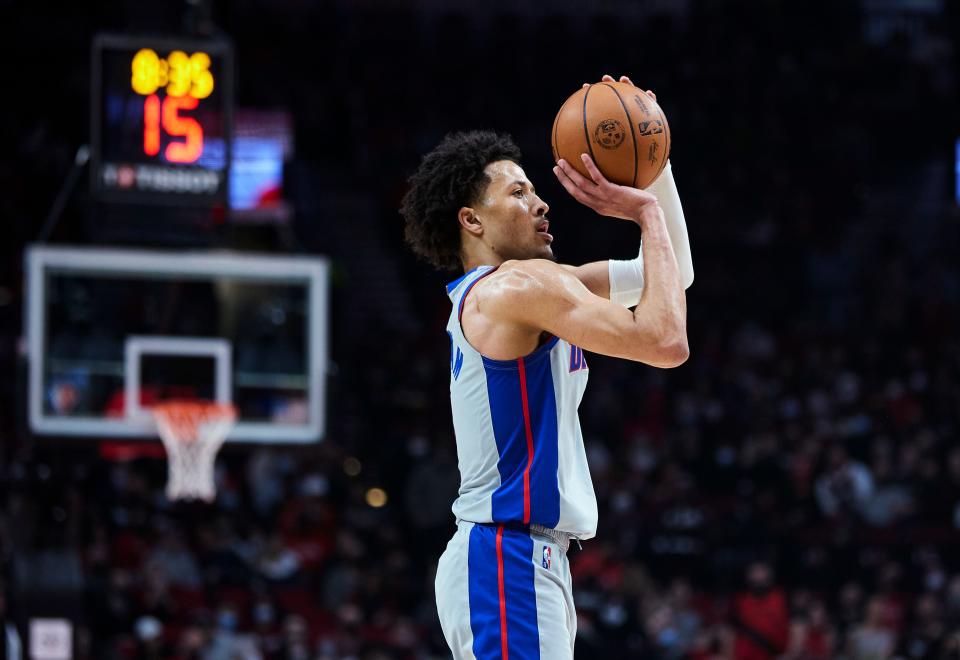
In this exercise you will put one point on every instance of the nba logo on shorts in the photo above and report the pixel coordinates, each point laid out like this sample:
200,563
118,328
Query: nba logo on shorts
546,556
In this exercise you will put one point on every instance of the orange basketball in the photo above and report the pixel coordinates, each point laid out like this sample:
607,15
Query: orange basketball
623,130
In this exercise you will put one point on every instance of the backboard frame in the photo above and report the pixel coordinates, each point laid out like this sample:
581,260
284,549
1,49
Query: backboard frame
312,271
136,346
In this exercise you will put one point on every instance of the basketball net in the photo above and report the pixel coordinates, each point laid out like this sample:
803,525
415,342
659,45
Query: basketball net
192,433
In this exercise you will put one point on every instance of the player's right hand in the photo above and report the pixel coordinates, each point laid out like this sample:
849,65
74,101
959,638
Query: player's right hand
605,197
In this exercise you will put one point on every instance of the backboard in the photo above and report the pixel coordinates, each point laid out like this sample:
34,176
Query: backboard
112,331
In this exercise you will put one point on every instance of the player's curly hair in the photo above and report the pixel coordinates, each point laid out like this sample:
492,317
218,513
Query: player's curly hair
450,177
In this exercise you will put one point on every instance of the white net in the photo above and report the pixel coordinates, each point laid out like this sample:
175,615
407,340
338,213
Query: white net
192,433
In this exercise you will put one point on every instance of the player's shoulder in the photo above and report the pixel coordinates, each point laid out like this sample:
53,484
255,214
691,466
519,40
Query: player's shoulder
530,268
517,282
520,275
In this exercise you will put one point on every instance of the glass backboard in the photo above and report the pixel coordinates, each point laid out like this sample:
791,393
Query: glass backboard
112,331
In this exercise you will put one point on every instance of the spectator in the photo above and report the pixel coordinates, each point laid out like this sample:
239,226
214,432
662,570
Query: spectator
227,642
277,562
191,643
812,636
149,633
926,633
846,486
296,643
871,640
760,620
173,561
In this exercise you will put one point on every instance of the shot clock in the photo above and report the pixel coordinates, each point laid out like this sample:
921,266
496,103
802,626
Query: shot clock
161,115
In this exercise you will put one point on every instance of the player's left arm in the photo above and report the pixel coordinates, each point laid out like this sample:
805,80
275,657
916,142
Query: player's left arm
594,275
626,276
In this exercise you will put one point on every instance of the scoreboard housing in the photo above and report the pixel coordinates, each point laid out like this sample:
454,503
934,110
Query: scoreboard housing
161,120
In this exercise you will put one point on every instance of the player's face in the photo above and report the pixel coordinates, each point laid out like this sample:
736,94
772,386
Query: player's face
514,218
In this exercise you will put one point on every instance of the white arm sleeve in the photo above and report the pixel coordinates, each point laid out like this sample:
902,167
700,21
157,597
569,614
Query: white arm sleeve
626,277
665,188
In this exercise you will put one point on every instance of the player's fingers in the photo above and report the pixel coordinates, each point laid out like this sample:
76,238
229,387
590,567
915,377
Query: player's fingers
565,181
650,93
625,79
575,191
607,78
584,185
595,174
578,179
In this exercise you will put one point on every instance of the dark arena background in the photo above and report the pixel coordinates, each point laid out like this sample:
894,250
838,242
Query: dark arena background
792,491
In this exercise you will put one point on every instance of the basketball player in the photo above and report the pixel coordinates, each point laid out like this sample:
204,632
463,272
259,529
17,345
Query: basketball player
518,330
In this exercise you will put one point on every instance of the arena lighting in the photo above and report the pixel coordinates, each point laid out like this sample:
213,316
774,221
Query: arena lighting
376,497
352,466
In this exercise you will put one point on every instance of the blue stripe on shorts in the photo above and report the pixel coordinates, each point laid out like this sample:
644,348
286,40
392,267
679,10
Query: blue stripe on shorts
520,598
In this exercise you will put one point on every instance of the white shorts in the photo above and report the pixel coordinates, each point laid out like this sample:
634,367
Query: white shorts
505,593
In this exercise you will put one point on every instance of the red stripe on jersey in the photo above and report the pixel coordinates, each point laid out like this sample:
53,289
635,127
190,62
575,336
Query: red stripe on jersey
526,426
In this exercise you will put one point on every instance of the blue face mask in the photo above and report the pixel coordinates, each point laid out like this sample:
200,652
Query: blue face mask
263,613
227,620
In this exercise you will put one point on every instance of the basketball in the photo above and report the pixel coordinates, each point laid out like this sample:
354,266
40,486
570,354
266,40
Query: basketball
619,126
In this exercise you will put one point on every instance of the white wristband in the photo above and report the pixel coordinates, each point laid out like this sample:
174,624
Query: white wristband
626,280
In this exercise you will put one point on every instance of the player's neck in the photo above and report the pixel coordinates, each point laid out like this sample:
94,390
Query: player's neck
480,255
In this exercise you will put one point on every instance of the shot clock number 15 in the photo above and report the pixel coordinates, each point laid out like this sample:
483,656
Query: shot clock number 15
184,80
161,113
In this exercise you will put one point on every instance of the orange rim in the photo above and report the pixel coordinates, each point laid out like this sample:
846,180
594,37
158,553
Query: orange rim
184,416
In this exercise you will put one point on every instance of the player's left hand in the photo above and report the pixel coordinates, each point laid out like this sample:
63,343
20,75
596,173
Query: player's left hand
624,79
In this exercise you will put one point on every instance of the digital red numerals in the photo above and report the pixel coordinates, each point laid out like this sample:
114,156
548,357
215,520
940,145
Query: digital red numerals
151,125
167,115
188,127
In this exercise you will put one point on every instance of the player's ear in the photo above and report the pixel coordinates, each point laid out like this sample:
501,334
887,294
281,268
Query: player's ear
470,221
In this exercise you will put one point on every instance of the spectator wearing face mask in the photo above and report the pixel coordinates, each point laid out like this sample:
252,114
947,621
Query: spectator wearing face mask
760,619
846,486
812,635
227,643
871,640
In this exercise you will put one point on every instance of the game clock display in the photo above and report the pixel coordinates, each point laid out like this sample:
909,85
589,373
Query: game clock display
162,112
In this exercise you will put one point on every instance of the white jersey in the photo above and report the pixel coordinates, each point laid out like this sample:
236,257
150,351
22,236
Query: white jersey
519,445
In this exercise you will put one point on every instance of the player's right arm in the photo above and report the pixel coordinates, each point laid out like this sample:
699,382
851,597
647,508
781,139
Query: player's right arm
540,295
543,295
622,281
